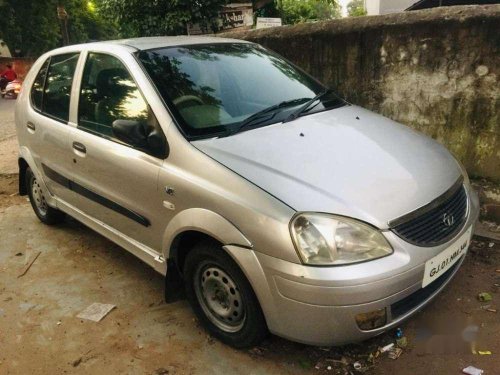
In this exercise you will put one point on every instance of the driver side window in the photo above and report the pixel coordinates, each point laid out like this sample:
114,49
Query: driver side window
109,93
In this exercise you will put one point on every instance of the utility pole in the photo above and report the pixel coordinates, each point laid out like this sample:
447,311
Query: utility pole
63,18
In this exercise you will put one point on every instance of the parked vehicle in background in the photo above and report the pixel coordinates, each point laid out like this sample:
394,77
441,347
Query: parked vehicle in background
12,89
274,203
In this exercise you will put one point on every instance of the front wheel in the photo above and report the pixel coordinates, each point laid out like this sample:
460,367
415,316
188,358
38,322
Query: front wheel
45,213
222,298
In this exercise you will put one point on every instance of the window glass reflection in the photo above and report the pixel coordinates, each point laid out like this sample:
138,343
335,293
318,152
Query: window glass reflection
108,93
37,88
213,88
57,93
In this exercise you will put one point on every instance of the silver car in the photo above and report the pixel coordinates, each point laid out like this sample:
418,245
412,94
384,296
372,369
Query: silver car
267,200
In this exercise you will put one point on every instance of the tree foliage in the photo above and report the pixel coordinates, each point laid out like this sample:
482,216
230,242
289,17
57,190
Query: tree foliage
32,26
356,8
297,11
160,17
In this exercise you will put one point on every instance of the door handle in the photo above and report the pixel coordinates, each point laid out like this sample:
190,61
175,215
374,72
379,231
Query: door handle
79,147
30,126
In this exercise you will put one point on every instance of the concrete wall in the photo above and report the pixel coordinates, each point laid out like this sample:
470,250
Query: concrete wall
436,70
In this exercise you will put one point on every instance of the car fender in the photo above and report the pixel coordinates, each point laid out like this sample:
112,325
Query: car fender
204,221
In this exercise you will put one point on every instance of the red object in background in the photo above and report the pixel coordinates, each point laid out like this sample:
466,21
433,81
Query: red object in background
9,74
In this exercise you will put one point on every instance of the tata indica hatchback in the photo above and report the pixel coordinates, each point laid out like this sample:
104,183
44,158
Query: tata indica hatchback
272,203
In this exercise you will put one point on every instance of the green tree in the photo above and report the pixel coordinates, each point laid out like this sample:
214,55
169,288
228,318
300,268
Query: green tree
32,26
297,11
160,17
356,8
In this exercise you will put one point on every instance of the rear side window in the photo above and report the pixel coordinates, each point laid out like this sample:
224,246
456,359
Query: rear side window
109,93
37,88
57,92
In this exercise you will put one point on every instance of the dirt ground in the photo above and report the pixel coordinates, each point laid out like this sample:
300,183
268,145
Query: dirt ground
40,333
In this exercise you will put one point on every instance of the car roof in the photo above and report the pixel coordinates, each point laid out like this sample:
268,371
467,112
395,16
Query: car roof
135,44
171,41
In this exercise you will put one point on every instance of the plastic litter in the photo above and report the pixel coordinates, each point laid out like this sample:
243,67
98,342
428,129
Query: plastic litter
484,352
359,366
394,353
402,342
386,348
96,311
399,333
484,297
471,370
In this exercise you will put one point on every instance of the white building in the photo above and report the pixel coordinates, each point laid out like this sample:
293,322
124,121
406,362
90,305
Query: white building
376,7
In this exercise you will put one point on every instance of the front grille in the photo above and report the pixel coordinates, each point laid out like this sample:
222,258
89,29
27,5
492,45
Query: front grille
413,300
437,222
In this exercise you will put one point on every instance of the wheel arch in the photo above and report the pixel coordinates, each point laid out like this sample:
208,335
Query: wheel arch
200,223
184,231
25,160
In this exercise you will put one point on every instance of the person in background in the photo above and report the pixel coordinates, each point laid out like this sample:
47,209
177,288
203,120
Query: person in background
8,75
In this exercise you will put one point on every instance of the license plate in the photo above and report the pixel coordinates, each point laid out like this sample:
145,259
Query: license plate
442,262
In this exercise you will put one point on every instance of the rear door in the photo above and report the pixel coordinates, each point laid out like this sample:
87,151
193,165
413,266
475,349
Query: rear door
115,183
48,116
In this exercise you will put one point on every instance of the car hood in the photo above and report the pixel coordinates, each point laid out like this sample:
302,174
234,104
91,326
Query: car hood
348,161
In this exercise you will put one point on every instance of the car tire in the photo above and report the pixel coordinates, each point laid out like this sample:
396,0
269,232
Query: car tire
43,211
222,298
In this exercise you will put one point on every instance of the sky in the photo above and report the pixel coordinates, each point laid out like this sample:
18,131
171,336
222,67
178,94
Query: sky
344,3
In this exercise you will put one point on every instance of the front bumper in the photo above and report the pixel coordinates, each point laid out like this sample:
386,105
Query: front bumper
317,305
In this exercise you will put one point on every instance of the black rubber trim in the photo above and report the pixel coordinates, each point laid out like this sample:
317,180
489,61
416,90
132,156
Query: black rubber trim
429,206
83,191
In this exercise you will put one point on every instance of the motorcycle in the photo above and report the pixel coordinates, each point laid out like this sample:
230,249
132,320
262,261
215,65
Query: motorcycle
12,89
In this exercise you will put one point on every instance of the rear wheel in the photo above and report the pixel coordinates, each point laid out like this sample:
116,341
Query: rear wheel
222,298
45,213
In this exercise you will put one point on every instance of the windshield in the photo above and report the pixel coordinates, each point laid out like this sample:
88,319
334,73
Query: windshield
212,89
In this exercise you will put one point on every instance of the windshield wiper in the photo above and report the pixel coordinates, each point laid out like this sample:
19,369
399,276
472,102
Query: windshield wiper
254,119
303,108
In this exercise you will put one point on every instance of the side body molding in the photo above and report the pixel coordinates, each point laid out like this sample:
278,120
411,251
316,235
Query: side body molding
204,221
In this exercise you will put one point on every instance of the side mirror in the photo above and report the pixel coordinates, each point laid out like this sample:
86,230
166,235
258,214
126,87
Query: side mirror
131,132
136,134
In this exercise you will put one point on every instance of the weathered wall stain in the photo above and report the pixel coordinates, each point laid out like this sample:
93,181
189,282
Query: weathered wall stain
435,70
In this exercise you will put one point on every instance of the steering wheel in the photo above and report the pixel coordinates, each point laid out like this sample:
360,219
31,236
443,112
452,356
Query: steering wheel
187,98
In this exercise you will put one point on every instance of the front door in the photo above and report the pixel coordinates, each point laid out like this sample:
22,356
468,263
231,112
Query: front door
115,182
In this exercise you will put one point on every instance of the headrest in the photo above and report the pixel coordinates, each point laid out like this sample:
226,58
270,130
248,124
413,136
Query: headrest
108,81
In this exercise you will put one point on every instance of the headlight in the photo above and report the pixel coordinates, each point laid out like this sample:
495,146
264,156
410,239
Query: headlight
326,240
